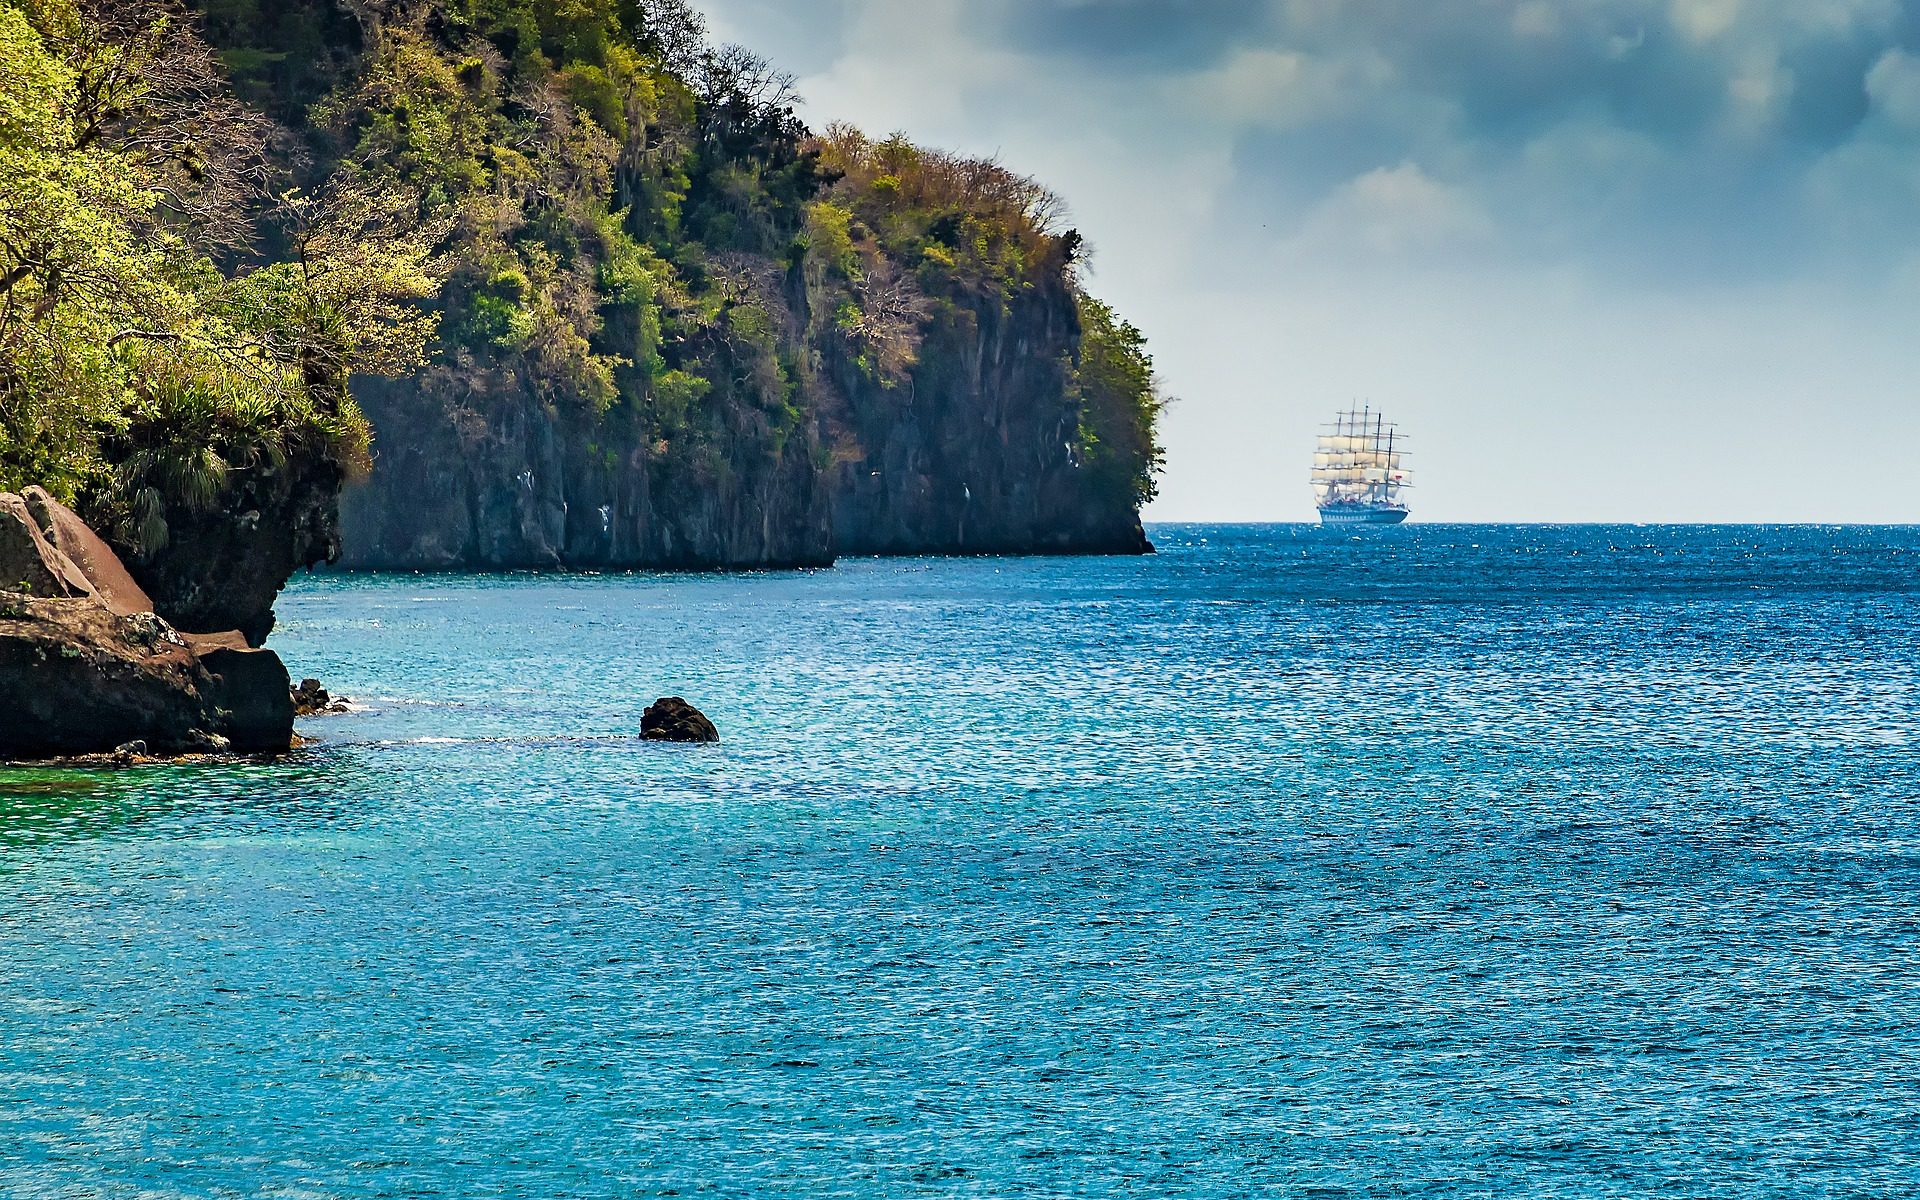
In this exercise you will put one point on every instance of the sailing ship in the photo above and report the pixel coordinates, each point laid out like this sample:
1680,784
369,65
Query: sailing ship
1359,469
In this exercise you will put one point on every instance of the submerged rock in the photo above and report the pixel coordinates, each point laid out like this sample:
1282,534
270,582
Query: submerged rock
86,666
671,719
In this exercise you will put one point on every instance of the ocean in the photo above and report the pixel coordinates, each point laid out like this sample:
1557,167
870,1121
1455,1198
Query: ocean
1440,861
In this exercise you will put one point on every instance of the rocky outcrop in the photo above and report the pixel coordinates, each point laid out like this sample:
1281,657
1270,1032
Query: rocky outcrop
86,666
222,569
310,699
671,719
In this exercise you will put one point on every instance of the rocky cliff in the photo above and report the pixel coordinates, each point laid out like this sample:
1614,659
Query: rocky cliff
681,329
979,455
974,454
492,479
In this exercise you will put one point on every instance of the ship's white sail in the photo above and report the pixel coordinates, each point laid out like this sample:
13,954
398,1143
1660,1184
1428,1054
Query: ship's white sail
1359,468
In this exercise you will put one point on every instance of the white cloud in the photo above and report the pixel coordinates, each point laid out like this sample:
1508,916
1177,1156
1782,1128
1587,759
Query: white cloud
1536,19
1397,213
1279,88
1257,85
913,66
1704,20
1757,92
1893,86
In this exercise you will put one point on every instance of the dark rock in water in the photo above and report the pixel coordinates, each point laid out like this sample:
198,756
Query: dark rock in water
310,699
78,675
251,687
76,678
672,719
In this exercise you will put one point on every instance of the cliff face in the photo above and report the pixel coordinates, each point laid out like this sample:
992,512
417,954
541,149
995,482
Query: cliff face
978,456
975,454
499,481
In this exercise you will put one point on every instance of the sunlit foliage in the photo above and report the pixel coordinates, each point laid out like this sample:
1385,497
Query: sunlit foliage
586,202
1120,403
144,353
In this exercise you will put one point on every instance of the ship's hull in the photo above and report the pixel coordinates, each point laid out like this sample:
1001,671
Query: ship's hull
1362,516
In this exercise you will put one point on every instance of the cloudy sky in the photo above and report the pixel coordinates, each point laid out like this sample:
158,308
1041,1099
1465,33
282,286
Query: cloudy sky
1639,260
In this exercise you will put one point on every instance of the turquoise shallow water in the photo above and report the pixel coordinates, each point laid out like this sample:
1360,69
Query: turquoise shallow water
1433,862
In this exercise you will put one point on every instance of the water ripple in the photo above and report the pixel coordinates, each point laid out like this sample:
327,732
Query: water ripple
1450,863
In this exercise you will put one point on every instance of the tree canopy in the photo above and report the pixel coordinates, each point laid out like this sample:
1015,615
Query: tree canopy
134,188
199,250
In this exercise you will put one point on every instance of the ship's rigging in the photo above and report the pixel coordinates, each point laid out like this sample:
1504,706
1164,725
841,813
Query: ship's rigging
1359,468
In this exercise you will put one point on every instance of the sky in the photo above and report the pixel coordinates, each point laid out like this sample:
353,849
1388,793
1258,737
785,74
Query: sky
1602,260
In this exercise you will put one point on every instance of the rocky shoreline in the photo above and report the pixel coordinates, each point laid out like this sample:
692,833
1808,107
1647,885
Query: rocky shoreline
92,676
87,667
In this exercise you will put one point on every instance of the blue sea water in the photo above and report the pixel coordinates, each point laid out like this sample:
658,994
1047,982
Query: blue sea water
1437,861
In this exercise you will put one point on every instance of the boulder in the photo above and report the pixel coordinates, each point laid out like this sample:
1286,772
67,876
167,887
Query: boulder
28,562
96,560
671,719
85,669
252,692
310,699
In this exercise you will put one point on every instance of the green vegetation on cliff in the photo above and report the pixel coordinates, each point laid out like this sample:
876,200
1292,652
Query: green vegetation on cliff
583,208
145,354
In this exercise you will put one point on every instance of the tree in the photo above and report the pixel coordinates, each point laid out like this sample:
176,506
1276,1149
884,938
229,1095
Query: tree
673,33
1120,404
131,182
736,77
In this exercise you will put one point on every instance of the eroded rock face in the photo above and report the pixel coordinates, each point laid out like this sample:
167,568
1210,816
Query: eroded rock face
979,460
85,668
223,569
672,719
104,571
499,480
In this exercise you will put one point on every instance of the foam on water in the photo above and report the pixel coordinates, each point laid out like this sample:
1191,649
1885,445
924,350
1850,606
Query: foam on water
1440,862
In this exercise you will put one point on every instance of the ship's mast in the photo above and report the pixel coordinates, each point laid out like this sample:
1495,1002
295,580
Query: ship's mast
1392,467
1380,434
1357,462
